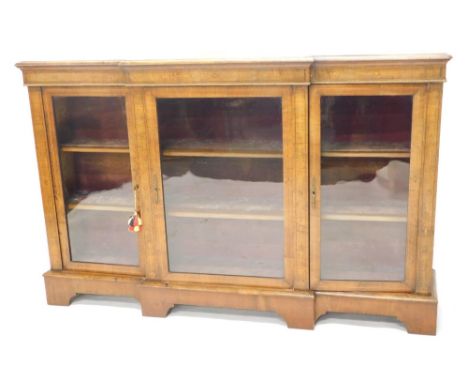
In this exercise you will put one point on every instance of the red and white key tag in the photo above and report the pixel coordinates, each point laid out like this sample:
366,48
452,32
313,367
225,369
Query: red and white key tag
134,223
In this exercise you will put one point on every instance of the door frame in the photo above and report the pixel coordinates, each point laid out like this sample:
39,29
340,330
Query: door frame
416,171
294,116
54,153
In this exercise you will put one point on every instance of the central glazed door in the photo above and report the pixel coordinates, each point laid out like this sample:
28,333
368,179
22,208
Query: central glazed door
225,171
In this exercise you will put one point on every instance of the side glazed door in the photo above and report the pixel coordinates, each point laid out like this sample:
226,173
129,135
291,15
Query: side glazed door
365,164
94,165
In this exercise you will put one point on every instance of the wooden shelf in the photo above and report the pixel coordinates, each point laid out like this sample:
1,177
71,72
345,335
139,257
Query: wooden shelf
190,196
119,199
99,207
365,154
364,217
240,215
69,148
235,148
220,154
237,215
383,198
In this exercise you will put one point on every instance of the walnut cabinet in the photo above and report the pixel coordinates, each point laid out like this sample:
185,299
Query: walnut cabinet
296,186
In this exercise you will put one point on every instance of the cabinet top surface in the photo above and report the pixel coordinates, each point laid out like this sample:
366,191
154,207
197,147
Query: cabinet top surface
266,61
218,72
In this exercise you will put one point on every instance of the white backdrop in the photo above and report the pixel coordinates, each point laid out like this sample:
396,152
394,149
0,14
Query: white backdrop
107,339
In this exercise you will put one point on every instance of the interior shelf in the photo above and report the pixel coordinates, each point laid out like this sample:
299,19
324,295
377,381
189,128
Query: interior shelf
99,207
236,215
364,217
114,199
357,145
95,146
223,188
180,210
220,153
221,148
366,154
187,213
72,148
363,189
184,213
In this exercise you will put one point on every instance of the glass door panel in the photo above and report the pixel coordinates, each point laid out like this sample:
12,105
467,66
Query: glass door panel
366,123
222,170
96,178
91,121
221,126
364,186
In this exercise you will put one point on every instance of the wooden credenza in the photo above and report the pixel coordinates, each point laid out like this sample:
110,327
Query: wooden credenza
296,186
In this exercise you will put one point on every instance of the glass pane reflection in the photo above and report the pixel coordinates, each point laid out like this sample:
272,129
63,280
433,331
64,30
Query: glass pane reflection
96,185
364,218
364,198
223,185
366,122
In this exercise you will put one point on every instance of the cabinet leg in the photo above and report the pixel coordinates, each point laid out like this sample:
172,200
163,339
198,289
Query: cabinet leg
155,309
420,318
153,304
58,291
417,313
298,321
298,314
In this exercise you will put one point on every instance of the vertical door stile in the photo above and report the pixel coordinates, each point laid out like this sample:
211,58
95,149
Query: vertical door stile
424,276
56,178
139,164
158,256
314,184
301,187
46,175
